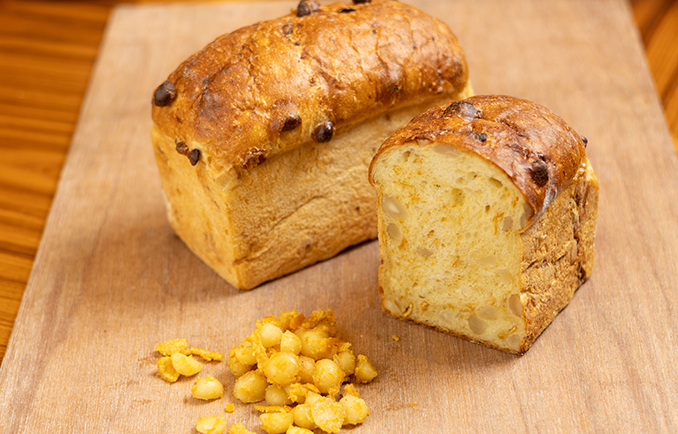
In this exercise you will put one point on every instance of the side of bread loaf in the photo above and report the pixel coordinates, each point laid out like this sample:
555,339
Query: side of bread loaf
487,212
263,138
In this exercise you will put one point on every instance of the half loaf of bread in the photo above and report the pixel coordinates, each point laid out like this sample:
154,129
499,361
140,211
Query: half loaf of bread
487,213
263,138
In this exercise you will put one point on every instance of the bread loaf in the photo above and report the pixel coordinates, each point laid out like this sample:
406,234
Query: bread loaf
264,137
487,213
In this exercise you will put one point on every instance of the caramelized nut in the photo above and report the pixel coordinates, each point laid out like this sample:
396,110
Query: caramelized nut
323,132
307,7
194,156
164,94
539,172
462,109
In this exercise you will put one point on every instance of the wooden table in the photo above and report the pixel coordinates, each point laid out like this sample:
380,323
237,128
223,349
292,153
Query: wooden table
46,54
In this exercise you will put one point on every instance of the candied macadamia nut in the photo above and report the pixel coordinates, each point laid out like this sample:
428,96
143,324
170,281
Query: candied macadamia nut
296,430
276,395
206,355
355,409
174,346
328,376
328,414
276,423
238,428
364,370
250,387
184,365
302,416
345,360
207,388
282,368
290,343
211,425
270,335
298,365
166,370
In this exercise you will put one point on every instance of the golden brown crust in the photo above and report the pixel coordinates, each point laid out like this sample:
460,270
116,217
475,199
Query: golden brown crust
534,146
273,86
558,252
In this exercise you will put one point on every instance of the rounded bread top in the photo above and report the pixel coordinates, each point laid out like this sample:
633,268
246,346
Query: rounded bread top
531,144
272,86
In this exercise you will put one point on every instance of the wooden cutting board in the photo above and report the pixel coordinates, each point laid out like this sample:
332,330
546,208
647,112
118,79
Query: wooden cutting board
111,280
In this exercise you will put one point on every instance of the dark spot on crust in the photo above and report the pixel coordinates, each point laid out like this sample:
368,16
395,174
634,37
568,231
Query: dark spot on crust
253,158
481,136
346,10
291,123
164,94
463,109
206,81
288,29
360,2
539,172
297,43
581,273
374,32
182,148
307,7
194,156
323,132
585,140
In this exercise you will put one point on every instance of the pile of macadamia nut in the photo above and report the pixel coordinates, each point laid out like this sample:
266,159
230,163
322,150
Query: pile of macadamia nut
298,367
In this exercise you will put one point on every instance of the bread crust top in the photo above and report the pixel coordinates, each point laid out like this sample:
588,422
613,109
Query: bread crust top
531,144
272,86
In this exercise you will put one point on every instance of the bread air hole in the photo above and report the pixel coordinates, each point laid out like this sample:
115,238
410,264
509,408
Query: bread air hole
393,208
495,182
457,198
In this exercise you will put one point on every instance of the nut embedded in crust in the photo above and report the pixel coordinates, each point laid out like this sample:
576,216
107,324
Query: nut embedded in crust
164,94
291,123
194,156
182,148
539,172
307,7
323,132
463,109
253,158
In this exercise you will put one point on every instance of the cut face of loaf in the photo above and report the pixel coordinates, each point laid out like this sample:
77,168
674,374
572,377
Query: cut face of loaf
280,121
463,248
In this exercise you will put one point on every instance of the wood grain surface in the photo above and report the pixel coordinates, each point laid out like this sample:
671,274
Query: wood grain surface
46,53
110,279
